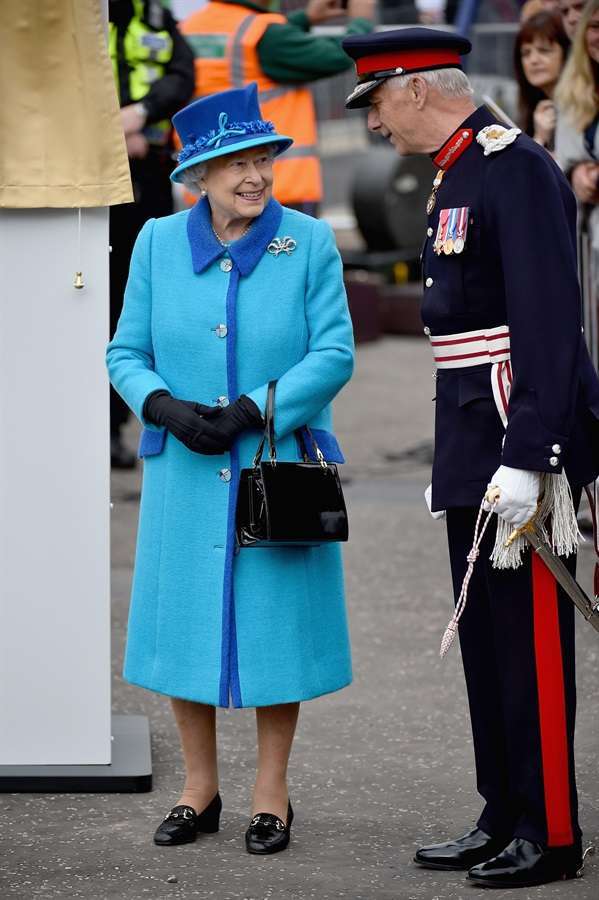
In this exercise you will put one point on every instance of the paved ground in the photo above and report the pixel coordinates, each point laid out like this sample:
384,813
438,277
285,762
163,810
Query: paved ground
376,769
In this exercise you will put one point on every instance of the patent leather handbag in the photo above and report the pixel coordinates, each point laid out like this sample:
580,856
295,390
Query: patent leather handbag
289,504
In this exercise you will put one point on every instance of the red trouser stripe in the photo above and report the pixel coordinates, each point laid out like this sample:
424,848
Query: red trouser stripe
552,706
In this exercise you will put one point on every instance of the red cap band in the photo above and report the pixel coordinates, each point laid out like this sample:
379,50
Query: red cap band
410,60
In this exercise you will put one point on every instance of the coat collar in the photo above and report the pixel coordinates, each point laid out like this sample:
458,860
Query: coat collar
246,252
445,157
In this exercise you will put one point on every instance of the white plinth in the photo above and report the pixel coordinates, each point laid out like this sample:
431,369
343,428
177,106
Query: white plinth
54,490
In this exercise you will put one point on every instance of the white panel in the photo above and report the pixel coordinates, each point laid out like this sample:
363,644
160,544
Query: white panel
54,490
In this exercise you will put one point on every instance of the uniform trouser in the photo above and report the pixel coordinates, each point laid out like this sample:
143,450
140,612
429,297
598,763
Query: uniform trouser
153,197
517,641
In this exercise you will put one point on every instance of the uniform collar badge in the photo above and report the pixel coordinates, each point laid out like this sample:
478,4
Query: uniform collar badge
453,148
495,137
451,151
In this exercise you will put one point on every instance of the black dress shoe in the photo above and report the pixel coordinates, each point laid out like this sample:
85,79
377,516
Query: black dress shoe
182,824
268,833
120,456
461,854
526,864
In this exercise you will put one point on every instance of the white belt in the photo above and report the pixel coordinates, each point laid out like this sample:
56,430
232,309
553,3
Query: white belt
475,348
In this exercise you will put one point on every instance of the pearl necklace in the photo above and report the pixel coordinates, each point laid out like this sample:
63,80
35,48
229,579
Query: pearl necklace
226,244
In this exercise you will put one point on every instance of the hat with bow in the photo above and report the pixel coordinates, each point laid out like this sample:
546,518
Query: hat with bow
223,123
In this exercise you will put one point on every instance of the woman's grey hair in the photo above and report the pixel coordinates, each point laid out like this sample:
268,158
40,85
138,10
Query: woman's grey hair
451,82
192,176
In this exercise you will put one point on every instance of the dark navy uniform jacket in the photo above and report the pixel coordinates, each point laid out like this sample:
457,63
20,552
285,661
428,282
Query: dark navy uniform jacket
518,268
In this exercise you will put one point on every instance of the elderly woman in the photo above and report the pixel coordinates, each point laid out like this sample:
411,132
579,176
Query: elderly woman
222,299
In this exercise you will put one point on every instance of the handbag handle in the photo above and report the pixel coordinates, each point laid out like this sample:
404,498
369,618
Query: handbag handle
269,434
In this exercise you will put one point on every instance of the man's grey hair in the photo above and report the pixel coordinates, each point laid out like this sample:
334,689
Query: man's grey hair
450,82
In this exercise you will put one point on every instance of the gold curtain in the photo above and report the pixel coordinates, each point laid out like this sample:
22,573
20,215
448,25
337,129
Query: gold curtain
61,141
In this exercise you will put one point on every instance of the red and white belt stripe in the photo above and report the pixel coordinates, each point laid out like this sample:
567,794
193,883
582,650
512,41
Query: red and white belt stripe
475,348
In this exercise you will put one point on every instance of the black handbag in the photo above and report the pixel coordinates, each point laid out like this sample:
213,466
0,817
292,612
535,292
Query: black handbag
295,504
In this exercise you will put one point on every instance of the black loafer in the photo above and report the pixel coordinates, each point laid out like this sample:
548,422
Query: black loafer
526,864
461,854
182,824
268,833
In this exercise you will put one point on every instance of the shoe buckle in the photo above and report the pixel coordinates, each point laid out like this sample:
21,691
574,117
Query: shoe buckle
187,814
279,825
255,821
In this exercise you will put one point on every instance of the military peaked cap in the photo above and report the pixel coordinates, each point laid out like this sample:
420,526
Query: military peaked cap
400,52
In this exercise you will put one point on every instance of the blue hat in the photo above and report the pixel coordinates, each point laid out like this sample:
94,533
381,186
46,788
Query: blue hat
400,52
223,123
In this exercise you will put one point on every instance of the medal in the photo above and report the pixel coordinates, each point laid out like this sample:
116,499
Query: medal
441,231
448,247
430,204
460,241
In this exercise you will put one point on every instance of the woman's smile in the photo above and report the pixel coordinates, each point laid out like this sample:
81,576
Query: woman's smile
251,196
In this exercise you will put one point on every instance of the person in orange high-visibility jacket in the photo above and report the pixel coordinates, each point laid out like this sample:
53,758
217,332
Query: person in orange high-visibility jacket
236,42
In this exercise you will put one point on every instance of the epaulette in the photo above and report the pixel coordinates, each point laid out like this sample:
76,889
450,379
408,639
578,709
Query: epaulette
495,137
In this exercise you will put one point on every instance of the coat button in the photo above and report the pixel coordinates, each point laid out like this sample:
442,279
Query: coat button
221,331
222,402
429,282
427,330
553,461
226,265
556,449
429,232
225,475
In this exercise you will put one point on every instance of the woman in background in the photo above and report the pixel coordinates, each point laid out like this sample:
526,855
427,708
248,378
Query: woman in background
539,57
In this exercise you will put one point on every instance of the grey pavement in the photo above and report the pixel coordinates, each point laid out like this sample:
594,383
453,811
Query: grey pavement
377,768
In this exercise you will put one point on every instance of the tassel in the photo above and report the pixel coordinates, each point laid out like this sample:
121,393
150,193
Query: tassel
447,639
557,505
507,554
564,526
451,630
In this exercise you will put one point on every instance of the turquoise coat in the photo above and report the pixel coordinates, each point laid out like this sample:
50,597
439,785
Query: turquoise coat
208,621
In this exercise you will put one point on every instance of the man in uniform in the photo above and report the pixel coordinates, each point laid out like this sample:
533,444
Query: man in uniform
153,70
517,407
239,41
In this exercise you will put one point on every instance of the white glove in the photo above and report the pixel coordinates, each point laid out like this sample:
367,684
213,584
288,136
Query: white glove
519,494
428,496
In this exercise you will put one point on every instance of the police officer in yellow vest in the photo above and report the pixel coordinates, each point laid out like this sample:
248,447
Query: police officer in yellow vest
236,42
154,74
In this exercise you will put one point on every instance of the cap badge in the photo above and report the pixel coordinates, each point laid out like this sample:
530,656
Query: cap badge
495,137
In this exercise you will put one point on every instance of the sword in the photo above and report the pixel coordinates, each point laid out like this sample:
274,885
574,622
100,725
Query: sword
589,608
584,604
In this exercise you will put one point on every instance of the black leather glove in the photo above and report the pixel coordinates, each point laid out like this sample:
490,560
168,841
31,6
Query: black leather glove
235,418
186,420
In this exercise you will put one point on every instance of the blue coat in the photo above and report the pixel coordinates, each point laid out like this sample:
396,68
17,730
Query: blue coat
209,622
518,268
